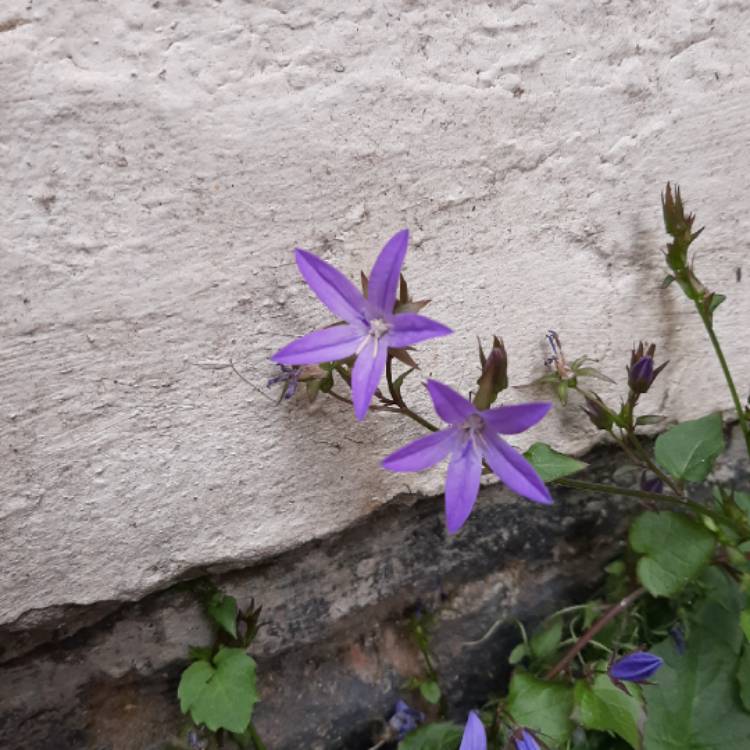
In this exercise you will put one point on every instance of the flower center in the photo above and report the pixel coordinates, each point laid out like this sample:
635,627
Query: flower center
473,424
379,328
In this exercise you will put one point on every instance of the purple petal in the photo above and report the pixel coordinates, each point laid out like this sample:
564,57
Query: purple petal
475,738
366,374
381,287
333,289
514,470
410,328
526,741
515,418
421,453
320,346
635,667
461,486
451,407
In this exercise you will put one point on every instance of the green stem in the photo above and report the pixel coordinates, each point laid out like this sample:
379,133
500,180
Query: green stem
643,454
255,738
708,325
676,500
399,401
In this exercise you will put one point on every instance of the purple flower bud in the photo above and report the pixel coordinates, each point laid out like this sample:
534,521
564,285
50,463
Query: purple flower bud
641,372
635,667
526,741
678,636
651,484
405,719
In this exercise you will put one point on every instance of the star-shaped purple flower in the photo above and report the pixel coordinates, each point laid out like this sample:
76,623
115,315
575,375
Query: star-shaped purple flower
371,326
473,436
475,736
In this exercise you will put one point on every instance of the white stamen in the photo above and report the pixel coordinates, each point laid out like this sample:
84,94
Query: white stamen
378,329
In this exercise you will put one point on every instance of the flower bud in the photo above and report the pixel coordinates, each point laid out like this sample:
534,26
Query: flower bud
635,667
601,417
526,741
641,372
651,484
494,377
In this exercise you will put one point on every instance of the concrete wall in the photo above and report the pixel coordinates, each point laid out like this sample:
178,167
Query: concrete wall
161,160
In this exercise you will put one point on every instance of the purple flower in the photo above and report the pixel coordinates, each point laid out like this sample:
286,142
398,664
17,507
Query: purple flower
370,325
405,719
289,376
475,738
472,436
635,667
526,741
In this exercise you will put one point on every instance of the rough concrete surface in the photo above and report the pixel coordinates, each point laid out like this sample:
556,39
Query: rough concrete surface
334,652
160,162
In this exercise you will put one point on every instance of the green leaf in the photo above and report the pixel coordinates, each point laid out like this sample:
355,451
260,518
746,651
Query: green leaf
544,707
198,653
715,300
674,548
745,623
688,450
695,703
592,372
544,642
440,736
607,708
430,691
743,677
647,419
222,609
517,654
220,694
550,464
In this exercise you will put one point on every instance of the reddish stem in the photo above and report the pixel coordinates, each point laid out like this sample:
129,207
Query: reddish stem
591,633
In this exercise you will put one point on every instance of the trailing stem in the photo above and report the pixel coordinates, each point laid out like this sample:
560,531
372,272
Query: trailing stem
592,632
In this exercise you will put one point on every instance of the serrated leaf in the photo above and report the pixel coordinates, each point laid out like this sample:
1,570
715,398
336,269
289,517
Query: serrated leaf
439,736
695,703
675,550
607,708
430,691
688,450
544,642
222,609
544,707
220,694
550,464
